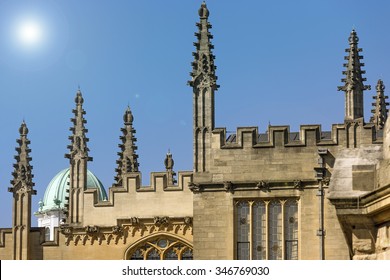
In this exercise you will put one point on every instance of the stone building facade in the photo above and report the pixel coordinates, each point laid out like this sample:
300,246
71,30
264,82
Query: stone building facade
310,194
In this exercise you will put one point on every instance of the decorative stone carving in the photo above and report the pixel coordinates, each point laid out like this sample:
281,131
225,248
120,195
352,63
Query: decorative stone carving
195,188
134,221
263,186
188,221
161,221
66,230
91,230
326,181
228,187
298,184
118,230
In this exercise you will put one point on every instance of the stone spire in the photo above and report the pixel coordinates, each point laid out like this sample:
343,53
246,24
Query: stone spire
78,158
203,68
22,169
127,161
353,81
204,84
169,162
380,110
22,189
78,148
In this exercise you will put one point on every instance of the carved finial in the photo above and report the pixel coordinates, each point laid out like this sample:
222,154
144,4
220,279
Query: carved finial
169,162
22,174
128,117
79,97
353,81
353,38
380,110
203,11
23,130
128,159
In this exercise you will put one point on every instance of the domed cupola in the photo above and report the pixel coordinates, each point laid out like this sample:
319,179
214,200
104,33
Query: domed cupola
51,207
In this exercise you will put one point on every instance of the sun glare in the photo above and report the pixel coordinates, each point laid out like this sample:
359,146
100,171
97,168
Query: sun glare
30,33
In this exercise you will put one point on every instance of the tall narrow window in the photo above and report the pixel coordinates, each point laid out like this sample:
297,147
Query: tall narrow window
291,229
243,243
259,231
275,231
47,234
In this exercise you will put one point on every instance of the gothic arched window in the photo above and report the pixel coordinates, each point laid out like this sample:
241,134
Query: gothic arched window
47,234
161,248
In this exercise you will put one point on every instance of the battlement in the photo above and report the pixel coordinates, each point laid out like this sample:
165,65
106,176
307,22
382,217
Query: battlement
132,199
349,134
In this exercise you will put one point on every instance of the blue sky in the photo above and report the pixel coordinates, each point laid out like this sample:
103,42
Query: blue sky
279,62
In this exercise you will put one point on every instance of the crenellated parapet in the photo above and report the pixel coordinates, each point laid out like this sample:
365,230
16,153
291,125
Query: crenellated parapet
308,135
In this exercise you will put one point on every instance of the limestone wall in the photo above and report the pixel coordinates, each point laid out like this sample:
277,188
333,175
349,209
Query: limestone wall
135,200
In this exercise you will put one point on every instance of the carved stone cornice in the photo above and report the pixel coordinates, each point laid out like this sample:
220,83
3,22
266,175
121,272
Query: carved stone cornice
263,185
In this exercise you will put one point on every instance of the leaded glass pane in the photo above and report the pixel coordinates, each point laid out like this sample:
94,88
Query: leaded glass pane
259,231
187,255
137,255
275,231
242,229
291,229
153,254
171,255
47,234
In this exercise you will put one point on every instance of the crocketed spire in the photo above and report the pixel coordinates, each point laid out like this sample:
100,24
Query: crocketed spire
22,174
78,148
203,68
127,161
78,157
380,110
353,81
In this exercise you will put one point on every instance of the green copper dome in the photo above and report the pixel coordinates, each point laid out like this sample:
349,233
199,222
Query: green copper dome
56,190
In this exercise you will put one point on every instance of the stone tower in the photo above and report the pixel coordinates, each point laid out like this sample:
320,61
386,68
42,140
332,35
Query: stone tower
380,110
78,157
127,161
22,189
204,84
353,81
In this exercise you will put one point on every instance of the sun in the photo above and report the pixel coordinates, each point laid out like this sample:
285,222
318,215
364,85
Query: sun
30,32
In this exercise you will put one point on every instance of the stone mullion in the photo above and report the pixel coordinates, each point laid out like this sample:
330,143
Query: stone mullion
282,204
251,229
